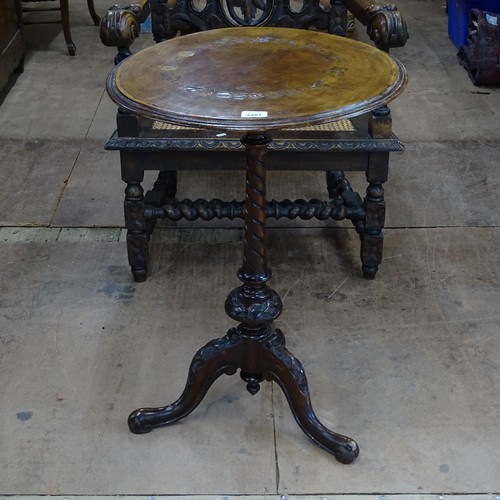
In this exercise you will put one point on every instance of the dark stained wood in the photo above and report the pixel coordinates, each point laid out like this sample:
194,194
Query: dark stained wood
213,80
93,14
255,347
144,146
120,27
363,145
11,40
296,77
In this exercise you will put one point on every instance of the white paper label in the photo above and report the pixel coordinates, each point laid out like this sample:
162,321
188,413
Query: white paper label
493,20
254,114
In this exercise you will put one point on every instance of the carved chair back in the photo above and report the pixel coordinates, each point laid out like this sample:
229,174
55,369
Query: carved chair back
185,16
119,28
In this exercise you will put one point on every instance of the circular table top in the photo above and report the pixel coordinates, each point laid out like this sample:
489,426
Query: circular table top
255,79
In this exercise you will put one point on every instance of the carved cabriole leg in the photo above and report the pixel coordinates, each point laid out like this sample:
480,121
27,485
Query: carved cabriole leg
138,228
372,238
254,347
279,365
219,356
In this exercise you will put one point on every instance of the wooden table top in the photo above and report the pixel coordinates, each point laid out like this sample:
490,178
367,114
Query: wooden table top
255,79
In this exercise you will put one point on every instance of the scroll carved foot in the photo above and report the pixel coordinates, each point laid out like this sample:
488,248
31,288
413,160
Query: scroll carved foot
281,366
213,360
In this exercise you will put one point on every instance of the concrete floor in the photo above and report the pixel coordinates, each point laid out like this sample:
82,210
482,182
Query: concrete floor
408,364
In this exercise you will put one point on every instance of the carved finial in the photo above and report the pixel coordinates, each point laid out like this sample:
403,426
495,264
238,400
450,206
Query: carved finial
253,381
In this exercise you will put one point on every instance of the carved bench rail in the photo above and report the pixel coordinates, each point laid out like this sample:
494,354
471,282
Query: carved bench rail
342,136
121,25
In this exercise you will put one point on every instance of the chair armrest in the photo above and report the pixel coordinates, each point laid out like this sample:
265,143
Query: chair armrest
384,24
121,26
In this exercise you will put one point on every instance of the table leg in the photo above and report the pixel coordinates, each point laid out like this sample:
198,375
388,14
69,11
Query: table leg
254,346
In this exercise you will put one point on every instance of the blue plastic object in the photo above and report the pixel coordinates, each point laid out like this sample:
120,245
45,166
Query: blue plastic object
458,16
146,25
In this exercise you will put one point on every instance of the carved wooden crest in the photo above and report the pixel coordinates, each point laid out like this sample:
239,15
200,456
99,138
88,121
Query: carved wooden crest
247,12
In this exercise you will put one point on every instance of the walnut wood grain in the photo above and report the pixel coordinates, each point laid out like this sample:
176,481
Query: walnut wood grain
296,76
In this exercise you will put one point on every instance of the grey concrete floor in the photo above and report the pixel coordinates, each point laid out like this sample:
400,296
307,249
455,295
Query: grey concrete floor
408,364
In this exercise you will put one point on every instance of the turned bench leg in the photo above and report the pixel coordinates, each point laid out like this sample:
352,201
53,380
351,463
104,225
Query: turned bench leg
372,239
139,228
132,168
137,231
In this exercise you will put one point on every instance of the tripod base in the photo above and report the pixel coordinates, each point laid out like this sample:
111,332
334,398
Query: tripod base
254,347
262,357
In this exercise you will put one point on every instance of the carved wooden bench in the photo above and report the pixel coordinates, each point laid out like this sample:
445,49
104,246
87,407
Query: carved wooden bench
360,144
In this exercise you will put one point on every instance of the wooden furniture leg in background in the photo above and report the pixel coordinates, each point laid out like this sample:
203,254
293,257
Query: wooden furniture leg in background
65,20
66,27
93,13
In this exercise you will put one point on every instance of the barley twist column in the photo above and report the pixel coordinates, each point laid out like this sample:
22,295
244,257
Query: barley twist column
254,304
254,255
